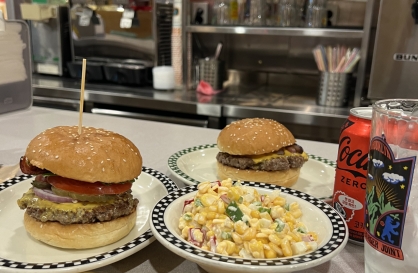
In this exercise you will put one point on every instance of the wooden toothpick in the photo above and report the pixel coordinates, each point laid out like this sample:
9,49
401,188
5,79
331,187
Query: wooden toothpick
83,79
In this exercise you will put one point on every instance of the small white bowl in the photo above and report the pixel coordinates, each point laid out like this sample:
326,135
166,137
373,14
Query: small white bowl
317,216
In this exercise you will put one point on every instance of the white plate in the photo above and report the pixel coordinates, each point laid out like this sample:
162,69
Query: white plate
20,252
198,164
317,216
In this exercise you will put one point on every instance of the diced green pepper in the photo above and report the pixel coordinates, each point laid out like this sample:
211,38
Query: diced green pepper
226,235
240,200
286,206
198,203
280,225
234,212
187,217
301,230
263,209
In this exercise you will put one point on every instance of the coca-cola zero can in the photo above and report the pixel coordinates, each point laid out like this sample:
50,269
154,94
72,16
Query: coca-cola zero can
351,172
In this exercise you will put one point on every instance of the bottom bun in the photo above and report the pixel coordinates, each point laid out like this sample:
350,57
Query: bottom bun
282,178
80,236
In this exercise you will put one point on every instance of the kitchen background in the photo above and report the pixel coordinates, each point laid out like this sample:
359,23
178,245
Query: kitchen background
259,52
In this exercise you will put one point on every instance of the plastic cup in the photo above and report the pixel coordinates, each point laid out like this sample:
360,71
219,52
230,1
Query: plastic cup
391,205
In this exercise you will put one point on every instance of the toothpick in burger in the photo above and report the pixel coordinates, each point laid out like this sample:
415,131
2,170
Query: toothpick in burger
260,150
81,194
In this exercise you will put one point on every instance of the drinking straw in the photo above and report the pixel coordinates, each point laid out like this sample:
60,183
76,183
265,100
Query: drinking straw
350,59
351,65
329,57
317,60
324,57
340,65
339,59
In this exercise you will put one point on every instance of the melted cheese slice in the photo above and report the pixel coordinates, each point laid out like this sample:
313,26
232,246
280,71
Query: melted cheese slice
34,201
259,158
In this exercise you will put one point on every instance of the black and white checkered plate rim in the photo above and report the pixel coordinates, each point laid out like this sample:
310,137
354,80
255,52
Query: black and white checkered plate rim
339,231
173,159
168,184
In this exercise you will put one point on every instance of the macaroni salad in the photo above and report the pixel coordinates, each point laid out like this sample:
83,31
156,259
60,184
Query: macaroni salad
235,220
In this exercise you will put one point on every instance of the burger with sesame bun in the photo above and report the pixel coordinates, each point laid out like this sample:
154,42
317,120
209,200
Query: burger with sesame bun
81,192
261,150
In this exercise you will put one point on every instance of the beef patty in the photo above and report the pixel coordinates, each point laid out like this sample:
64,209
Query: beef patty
296,160
123,205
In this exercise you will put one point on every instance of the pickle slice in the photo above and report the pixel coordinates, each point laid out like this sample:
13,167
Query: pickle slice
103,198
41,184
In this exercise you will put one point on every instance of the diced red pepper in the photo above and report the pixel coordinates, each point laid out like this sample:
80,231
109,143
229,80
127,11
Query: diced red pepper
307,238
192,238
186,203
213,243
225,198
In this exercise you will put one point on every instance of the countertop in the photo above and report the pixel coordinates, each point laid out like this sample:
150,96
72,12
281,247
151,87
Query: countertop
282,103
157,142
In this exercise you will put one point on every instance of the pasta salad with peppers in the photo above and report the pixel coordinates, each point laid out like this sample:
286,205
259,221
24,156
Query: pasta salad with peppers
233,219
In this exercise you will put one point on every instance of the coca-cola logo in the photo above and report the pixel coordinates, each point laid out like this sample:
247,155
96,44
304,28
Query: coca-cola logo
351,160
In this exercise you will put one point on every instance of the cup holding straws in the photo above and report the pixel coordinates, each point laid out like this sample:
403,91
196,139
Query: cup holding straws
336,65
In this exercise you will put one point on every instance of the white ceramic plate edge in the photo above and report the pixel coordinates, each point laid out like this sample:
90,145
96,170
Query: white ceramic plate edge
171,241
172,164
91,262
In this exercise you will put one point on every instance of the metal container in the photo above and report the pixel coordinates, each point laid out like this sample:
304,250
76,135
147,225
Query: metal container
394,63
213,72
351,173
51,43
128,74
333,89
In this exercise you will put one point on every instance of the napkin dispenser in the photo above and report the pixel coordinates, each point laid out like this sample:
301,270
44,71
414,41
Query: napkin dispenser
15,66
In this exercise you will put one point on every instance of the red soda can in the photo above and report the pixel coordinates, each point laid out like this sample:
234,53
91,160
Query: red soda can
351,172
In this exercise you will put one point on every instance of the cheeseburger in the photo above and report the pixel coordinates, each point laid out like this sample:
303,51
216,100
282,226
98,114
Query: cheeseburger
81,193
260,150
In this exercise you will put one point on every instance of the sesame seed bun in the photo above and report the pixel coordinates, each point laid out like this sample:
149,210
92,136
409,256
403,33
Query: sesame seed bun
282,178
94,155
80,236
254,136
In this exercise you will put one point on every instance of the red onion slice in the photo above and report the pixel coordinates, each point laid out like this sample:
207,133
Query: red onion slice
213,243
226,199
192,238
186,203
307,238
49,195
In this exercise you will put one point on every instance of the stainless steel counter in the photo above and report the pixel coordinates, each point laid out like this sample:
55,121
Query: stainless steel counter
293,107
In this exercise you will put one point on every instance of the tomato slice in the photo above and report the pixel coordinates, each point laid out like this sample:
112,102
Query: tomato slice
78,186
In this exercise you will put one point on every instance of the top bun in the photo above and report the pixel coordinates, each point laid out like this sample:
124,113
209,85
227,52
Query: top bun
254,136
94,155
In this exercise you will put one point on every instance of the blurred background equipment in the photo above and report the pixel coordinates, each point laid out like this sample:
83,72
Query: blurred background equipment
270,70
50,35
121,39
395,59
15,66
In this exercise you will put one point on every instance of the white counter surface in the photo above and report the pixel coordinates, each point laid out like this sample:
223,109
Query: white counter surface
157,142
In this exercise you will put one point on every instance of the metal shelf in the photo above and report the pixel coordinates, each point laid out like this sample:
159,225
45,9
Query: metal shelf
283,31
